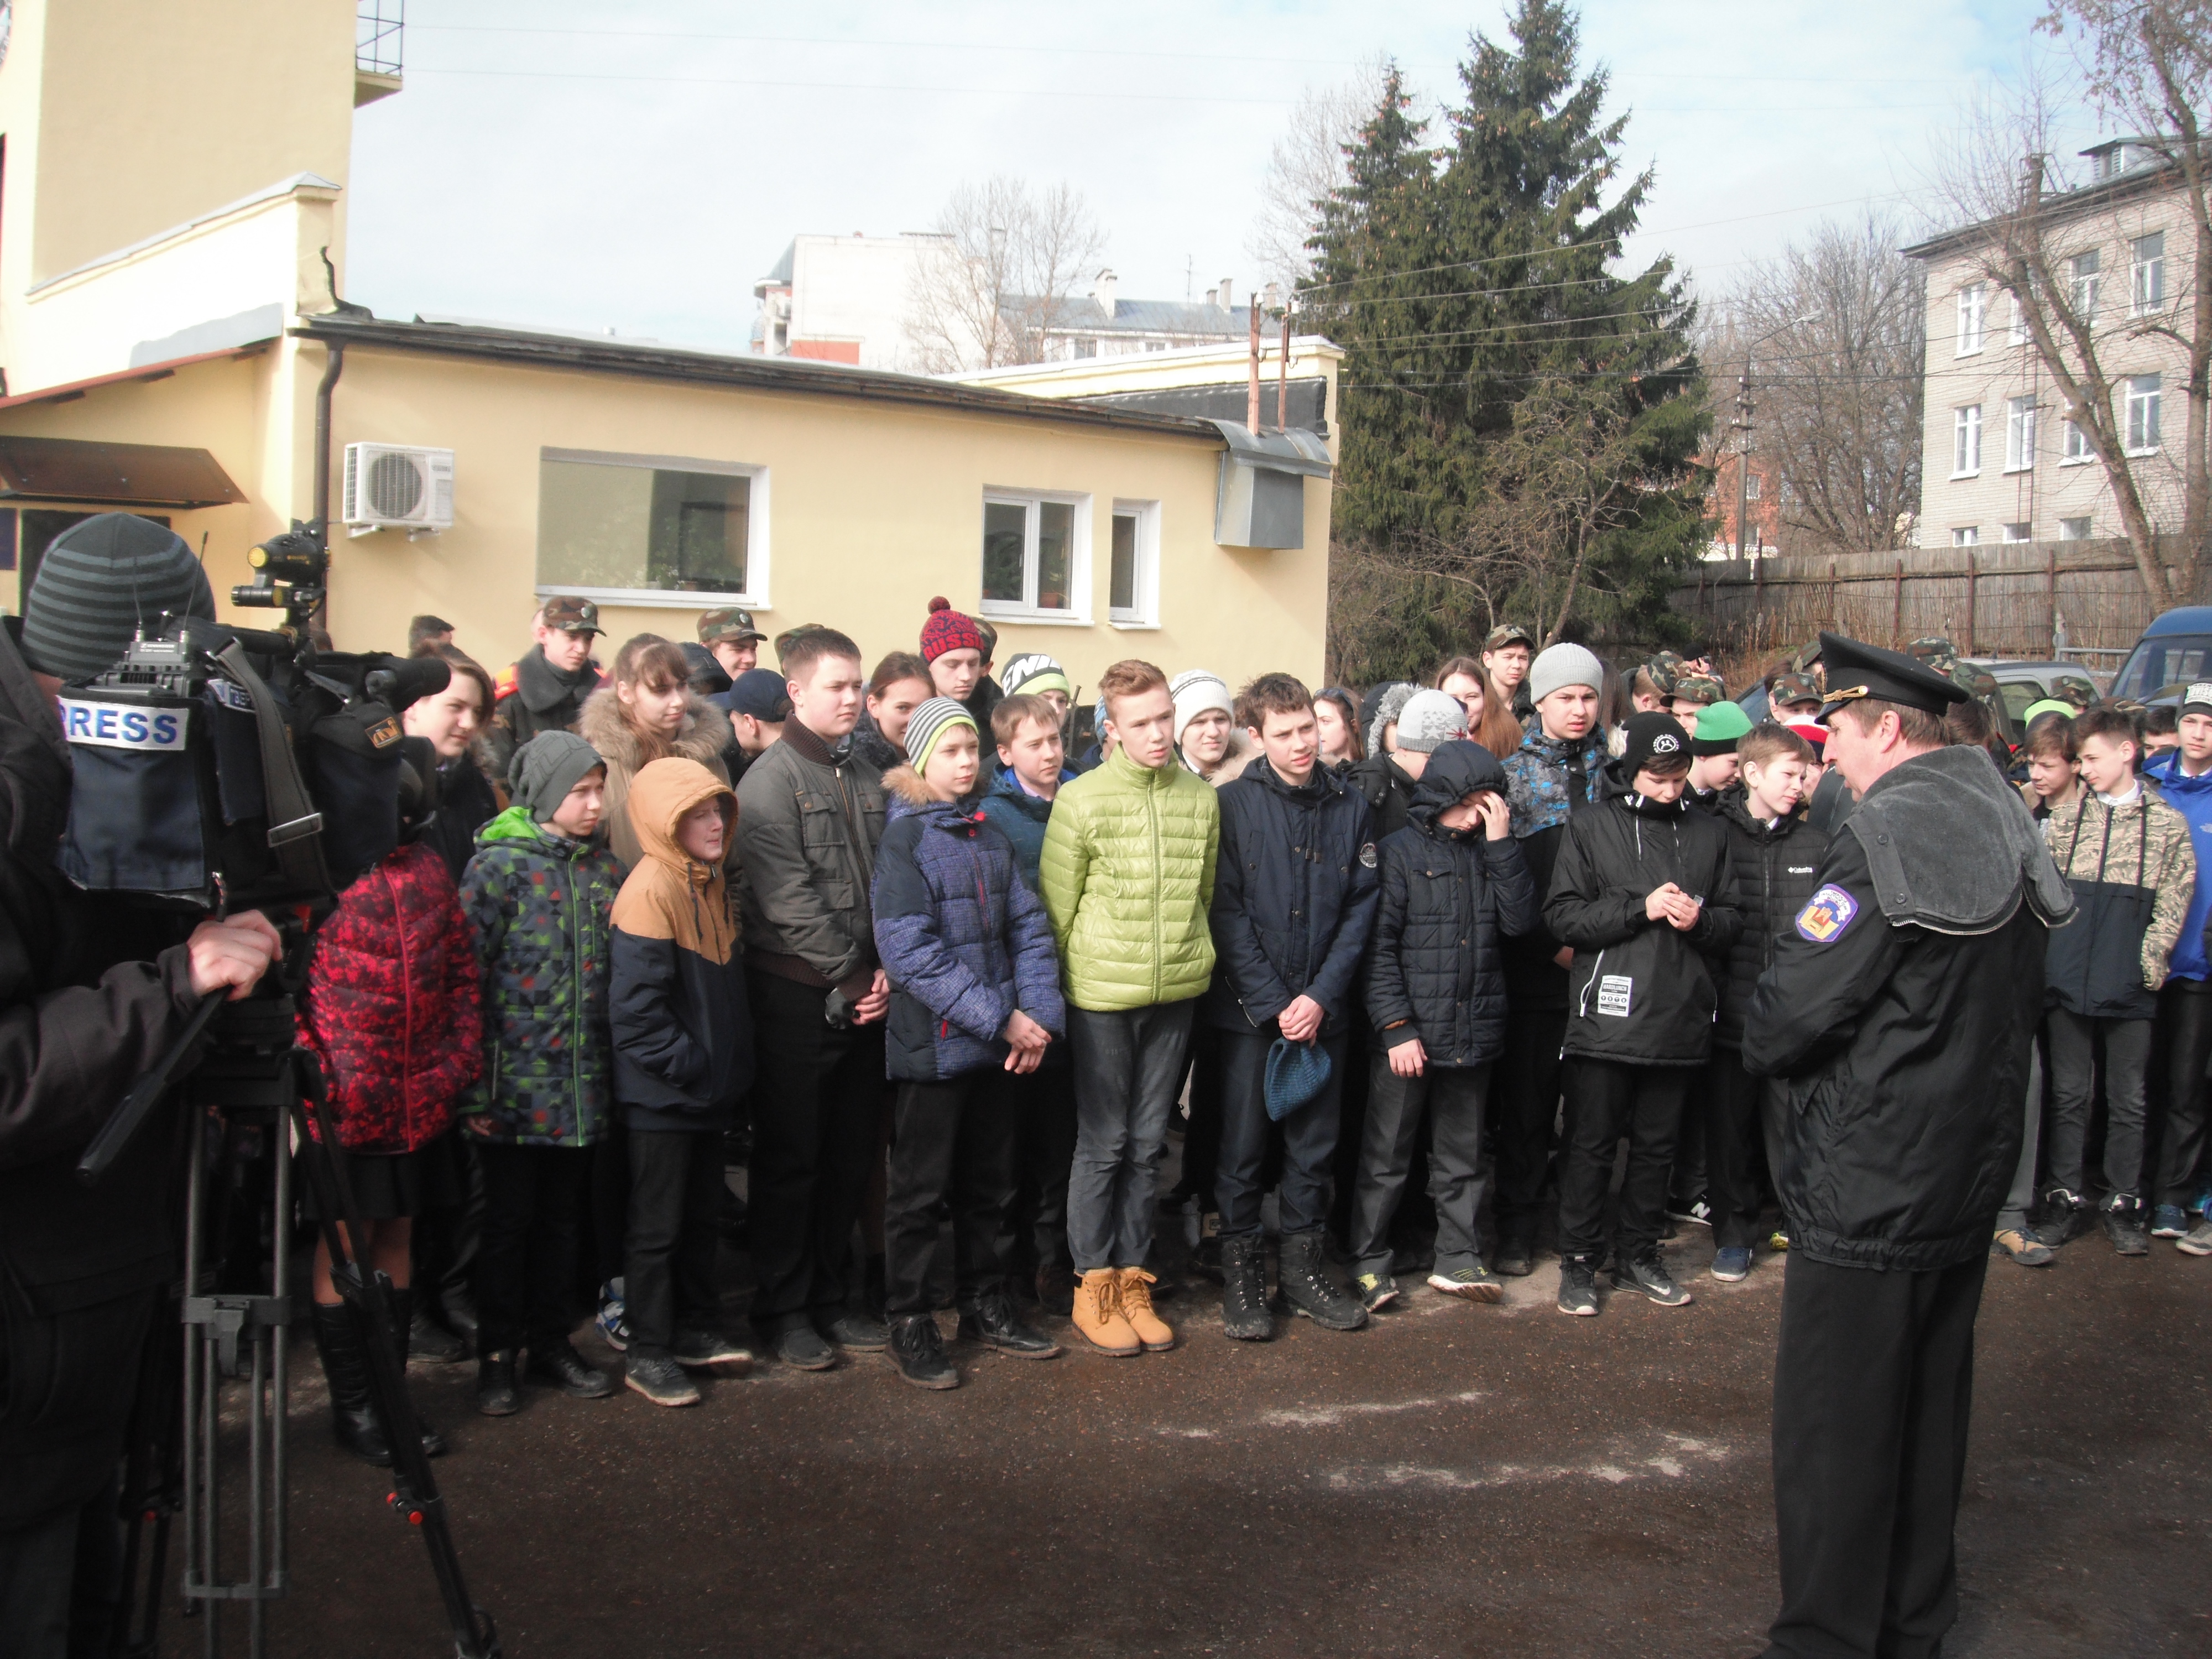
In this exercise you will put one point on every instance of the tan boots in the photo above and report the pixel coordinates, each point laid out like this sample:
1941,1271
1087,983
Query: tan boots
1098,1313
1155,1332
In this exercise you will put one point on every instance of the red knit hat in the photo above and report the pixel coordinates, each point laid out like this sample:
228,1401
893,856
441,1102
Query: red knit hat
947,629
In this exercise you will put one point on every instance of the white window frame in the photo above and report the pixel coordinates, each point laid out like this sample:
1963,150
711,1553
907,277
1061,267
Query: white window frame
2085,283
2074,448
2026,532
1079,573
1146,613
2016,322
1973,317
2068,532
1967,535
2138,395
2146,276
2020,434
1966,441
756,596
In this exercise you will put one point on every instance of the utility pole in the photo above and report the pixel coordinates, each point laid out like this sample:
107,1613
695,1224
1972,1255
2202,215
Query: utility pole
1283,376
1252,405
1741,427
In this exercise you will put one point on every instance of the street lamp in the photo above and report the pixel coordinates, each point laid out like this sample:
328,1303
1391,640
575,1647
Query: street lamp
1742,424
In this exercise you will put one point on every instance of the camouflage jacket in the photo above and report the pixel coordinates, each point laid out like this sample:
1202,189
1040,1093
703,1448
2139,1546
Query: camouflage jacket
538,903
1536,778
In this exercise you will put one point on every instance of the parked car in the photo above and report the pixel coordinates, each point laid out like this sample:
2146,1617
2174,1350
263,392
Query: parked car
2174,651
2022,684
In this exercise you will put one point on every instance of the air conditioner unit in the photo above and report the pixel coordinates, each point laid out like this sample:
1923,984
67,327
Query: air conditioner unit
396,487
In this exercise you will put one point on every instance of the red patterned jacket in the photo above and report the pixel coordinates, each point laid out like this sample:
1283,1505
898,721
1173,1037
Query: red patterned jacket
391,1004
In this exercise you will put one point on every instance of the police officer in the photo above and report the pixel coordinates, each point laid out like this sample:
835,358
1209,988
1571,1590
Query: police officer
1898,1012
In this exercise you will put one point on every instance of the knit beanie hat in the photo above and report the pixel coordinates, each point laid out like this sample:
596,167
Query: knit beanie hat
1559,665
544,769
1720,726
1814,734
1653,739
1034,674
99,582
1430,718
1387,708
931,719
1195,691
948,630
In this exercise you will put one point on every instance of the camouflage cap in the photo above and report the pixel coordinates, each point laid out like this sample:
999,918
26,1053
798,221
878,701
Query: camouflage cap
2079,693
571,615
1792,688
728,624
1935,651
783,640
1698,688
1507,634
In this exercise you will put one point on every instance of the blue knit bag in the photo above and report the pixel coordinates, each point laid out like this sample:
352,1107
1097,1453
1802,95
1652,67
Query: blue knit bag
1297,1071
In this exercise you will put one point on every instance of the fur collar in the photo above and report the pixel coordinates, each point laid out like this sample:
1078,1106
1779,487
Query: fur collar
702,737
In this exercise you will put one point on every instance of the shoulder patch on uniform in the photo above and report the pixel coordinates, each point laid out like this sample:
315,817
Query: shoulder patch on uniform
1827,914
1367,854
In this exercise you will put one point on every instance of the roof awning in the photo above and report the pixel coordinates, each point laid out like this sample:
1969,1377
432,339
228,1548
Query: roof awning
120,475
1295,451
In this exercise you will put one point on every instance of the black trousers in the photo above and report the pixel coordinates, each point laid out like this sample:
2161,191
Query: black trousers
953,1145
1523,1106
1729,1106
446,1237
1873,1386
1605,1101
526,1258
2184,1047
611,1199
668,1268
1044,1143
1309,1139
1201,1135
816,1091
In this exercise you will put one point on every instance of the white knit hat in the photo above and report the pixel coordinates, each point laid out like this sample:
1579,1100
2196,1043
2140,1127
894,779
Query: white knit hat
1195,691
1564,664
1429,717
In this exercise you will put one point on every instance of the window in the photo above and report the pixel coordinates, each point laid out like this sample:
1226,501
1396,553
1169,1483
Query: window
2016,328
2074,446
652,530
2147,272
1087,348
1751,486
2082,275
1036,556
1966,441
1967,535
2143,396
1133,590
2018,533
2074,530
1971,298
2020,434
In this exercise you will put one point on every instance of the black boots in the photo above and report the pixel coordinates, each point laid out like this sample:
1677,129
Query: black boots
345,1365
919,1352
1244,1289
496,1391
1305,1288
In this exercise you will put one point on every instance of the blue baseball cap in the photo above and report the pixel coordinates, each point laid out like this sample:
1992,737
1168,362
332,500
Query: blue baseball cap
760,692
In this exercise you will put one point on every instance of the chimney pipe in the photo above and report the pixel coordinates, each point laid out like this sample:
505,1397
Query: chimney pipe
1228,299
1252,404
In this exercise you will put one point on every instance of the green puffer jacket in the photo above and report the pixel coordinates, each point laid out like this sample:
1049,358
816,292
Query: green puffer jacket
1128,878
538,904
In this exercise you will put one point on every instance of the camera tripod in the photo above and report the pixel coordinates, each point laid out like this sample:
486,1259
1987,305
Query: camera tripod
256,1092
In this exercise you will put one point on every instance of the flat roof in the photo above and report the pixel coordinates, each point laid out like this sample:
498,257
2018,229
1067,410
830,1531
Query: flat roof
749,371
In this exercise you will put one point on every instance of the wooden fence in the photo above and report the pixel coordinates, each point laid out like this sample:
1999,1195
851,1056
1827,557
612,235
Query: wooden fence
2010,599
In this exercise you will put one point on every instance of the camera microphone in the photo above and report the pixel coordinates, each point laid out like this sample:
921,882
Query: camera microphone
398,681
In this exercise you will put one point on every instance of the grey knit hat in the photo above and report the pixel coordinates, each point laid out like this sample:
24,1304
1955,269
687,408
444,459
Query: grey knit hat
1387,708
1430,718
544,769
1564,664
101,580
930,720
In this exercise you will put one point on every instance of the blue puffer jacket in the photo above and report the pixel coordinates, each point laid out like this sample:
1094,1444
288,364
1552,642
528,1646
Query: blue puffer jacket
963,938
2192,798
1021,817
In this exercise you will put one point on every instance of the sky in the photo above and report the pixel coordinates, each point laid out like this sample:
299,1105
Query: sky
636,166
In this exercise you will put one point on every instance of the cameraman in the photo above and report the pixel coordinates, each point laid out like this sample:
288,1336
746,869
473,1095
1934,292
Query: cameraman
92,991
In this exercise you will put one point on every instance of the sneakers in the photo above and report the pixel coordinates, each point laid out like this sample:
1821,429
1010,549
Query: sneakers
613,1321
2066,1217
1779,1239
801,1348
560,1364
1647,1274
1732,1262
1578,1288
857,1331
496,1392
1375,1291
697,1350
1475,1284
2169,1221
2123,1220
1694,1211
661,1381
1306,1288
992,1322
1515,1258
913,1347
1244,1315
1135,1305
2022,1245
2199,1240
1097,1315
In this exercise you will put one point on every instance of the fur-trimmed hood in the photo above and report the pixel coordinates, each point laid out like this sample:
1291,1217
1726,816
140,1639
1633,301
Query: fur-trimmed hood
702,737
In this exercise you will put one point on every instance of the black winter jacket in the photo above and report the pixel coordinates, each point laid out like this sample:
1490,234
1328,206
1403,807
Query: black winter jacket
1639,991
1773,869
1294,893
1436,970
1389,793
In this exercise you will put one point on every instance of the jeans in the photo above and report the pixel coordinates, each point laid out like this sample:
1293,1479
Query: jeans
1459,1177
1873,1382
2022,1198
1044,1137
1523,1108
2185,1019
1607,1100
525,1261
1128,1065
668,1267
1730,1106
2127,1057
817,1093
953,1143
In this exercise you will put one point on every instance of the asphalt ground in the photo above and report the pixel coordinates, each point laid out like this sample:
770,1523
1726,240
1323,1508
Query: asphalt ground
1455,1480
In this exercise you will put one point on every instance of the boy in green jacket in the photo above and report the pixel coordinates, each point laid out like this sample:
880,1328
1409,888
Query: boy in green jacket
1128,878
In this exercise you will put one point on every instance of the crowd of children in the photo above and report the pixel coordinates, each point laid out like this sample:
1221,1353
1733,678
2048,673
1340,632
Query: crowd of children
1418,963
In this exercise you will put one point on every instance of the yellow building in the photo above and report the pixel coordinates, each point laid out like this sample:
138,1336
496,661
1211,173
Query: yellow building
167,320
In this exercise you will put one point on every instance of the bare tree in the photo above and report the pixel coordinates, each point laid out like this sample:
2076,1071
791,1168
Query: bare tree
1306,163
2145,61
1833,331
998,273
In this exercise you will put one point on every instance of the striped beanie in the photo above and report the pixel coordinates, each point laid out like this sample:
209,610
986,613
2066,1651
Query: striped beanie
1034,674
931,719
1195,691
948,630
99,582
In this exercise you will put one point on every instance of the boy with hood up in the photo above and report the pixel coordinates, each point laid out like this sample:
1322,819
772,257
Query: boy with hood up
683,1055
